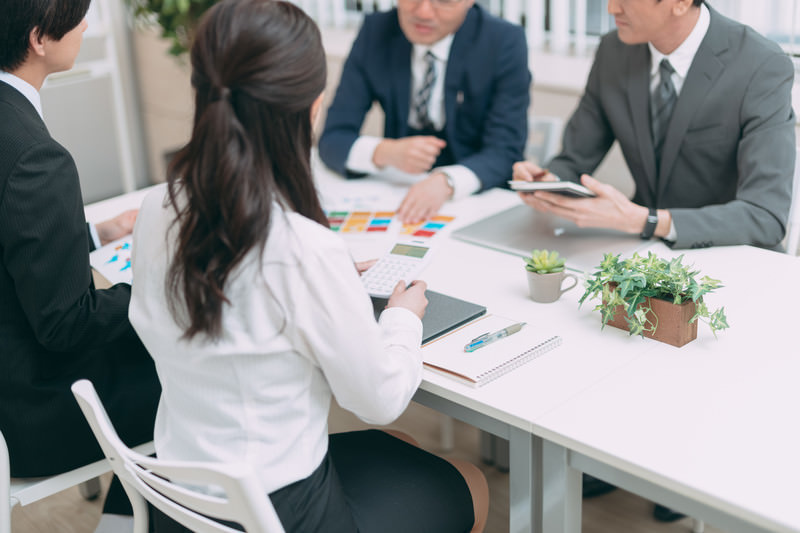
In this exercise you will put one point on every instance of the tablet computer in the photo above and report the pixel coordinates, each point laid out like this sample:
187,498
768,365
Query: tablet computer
443,314
567,188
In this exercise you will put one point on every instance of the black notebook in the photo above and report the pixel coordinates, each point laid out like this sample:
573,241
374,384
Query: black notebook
444,313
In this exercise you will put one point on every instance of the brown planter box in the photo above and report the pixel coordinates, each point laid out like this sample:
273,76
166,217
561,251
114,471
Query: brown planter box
672,324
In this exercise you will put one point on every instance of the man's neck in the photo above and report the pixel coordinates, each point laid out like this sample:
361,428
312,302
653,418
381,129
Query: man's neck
32,74
676,33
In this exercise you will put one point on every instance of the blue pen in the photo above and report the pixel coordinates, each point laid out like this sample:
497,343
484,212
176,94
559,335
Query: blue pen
488,338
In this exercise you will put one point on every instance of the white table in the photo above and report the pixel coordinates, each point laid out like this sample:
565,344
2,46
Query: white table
508,406
711,429
597,403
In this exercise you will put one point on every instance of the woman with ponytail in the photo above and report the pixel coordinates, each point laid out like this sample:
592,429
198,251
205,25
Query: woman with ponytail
254,312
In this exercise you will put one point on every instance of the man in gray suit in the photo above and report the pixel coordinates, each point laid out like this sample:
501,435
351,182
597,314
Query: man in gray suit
710,143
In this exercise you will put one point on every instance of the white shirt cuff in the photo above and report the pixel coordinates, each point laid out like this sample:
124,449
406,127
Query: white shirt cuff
465,182
672,236
360,157
94,235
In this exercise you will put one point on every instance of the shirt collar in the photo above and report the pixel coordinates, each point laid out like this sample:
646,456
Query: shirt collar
27,90
681,58
439,49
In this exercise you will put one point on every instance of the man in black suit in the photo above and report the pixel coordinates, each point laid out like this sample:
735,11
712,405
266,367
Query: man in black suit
55,327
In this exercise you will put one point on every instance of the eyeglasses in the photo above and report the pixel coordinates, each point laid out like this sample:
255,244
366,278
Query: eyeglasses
435,3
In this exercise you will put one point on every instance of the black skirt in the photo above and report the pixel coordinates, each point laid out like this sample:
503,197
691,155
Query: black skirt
372,482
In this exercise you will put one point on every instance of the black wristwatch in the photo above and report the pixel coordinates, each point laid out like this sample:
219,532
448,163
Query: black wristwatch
650,225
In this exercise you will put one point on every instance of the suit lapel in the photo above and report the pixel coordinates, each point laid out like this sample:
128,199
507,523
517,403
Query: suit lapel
706,68
456,63
400,69
639,101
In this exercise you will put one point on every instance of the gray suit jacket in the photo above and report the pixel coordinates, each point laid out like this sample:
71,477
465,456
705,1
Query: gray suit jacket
728,158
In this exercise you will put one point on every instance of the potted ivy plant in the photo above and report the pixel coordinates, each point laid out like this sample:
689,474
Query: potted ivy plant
164,30
545,270
177,19
654,297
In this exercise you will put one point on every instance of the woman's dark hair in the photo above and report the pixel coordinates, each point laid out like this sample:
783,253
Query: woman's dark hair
18,18
257,68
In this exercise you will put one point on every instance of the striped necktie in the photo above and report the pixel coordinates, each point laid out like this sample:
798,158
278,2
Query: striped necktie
662,103
423,97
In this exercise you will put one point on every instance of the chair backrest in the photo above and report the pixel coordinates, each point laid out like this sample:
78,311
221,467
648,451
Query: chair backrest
544,138
157,481
793,233
5,496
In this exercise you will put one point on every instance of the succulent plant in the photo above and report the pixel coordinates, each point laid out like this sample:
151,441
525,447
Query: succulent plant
544,262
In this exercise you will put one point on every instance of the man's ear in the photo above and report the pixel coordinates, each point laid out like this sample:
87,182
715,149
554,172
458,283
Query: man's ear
36,42
681,7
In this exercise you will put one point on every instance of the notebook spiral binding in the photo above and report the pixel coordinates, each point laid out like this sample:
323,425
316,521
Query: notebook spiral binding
529,354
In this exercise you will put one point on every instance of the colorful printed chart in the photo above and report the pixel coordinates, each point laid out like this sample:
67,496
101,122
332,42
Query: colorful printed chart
427,229
379,222
360,221
113,261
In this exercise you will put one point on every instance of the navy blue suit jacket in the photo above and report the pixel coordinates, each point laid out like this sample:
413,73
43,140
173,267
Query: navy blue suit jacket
486,91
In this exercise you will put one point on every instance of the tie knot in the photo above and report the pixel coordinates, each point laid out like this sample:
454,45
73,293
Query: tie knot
666,68
429,57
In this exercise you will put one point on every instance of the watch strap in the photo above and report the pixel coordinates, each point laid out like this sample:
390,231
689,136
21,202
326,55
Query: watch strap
650,224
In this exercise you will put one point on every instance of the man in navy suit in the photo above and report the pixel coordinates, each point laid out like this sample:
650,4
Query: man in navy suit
453,82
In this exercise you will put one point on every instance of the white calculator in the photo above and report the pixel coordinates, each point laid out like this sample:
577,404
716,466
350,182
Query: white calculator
403,262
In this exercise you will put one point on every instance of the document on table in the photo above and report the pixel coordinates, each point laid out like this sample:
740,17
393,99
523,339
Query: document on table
446,354
113,261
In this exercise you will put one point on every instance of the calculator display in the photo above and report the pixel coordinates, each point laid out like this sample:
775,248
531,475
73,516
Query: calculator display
409,250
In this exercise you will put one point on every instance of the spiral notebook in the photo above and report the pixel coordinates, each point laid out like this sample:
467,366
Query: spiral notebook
446,354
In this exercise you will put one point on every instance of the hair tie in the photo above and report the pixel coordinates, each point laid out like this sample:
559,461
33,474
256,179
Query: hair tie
221,93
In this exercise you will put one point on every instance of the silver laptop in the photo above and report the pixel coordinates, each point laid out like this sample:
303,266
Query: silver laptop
521,229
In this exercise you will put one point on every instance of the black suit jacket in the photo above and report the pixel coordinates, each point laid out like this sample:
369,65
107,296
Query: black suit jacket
55,327
486,93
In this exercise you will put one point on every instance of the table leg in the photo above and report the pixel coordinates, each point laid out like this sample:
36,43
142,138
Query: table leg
524,498
561,486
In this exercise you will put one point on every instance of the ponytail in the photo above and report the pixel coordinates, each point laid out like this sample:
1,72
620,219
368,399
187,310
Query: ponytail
258,65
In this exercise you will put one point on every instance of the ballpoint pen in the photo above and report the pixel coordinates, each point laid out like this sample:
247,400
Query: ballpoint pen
488,338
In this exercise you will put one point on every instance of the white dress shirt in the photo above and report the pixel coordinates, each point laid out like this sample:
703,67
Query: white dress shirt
681,60
465,182
299,328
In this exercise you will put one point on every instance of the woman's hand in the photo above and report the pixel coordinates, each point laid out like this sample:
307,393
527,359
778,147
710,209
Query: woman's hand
412,298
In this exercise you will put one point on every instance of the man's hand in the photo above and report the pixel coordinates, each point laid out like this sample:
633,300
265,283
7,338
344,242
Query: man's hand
527,171
609,209
117,227
411,154
424,199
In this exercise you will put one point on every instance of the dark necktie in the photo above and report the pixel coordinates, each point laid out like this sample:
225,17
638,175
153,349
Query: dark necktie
662,103
423,97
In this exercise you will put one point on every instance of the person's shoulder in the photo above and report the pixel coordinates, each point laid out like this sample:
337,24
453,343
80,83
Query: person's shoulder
296,238
19,129
381,23
153,214
486,24
156,199
743,39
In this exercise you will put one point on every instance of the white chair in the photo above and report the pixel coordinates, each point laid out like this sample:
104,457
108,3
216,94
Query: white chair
792,242
544,138
23,491
157,481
